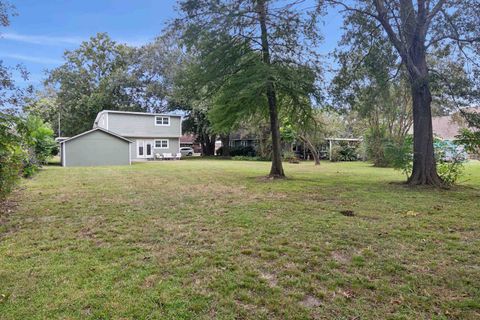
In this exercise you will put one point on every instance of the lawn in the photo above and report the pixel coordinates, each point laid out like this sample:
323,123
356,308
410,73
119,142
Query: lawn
211,239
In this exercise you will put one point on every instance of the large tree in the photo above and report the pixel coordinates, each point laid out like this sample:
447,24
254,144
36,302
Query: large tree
421,31
103,74
11,95
249,50
371,82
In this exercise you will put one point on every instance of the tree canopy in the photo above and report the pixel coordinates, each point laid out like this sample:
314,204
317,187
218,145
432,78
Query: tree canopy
249,53
421,32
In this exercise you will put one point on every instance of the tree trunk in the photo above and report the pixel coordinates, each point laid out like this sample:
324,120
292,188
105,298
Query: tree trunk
208,145
424,166
424,170
276,170
312,148
225,138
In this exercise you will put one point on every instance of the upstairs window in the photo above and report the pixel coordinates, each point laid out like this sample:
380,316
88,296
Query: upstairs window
162,121
161,144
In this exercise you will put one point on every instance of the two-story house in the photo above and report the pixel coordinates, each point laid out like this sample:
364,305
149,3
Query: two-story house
120,137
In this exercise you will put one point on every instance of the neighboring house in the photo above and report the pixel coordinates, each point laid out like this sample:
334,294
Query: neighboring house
145,134
190,140
242,138
446,127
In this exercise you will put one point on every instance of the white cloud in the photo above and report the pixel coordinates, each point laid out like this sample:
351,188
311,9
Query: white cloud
39,39
33,59
66,40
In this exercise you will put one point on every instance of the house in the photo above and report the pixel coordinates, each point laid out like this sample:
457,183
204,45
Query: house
190,140
120,137
242,138
446,127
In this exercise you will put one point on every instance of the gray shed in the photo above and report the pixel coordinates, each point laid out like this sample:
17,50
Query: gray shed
97,147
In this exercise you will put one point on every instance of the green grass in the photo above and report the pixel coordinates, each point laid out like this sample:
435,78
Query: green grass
212,239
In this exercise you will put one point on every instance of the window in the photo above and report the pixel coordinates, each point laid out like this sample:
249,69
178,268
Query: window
162,121
161,144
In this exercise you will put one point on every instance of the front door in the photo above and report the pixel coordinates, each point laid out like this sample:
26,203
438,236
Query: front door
144,148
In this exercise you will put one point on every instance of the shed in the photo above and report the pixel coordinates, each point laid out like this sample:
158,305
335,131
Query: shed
97,147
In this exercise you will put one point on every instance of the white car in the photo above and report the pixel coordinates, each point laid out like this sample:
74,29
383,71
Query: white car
186,151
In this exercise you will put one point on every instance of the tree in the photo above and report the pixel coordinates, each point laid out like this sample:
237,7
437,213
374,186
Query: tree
372,83
11,96
420,30
470,137
198,124
102,74
249,50
86,83
44,105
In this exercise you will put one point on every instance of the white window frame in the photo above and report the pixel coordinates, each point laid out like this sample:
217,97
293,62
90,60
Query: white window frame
162,124
161,140
144,143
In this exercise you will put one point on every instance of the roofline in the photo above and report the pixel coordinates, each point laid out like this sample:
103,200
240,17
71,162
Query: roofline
95,129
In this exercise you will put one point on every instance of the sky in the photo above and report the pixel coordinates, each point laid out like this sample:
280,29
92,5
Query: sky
42,31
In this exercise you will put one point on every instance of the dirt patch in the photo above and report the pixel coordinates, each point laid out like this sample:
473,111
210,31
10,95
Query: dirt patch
340,257
348,213
7,207
150,281
310,302
270,278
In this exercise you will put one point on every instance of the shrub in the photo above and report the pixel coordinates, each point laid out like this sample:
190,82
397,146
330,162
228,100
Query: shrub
25,145
376,142
11,154
344,152
400,155
450,159
247,151
290,156
10,168
247,158
37,141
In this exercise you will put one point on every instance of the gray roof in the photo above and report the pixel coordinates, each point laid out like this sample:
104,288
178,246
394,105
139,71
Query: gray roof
95,129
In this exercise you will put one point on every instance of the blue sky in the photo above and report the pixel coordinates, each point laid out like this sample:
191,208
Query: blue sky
44,29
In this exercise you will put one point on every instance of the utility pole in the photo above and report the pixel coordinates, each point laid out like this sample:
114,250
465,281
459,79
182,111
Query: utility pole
59,127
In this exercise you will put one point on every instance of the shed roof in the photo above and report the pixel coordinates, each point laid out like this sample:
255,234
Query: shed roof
97,129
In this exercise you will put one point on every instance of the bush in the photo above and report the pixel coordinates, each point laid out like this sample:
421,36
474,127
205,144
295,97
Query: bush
10,169
400,155
344,152
247,158
11,154
247,151
290,157
25,145
376,142
450,159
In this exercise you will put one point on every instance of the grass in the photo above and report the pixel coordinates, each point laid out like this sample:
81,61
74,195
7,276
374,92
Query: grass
210,239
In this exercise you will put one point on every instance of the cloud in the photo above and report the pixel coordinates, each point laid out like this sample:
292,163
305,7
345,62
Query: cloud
33,59
39,39
66,40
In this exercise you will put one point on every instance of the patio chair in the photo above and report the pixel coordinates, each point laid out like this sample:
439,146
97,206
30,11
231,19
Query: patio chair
167,156
178,156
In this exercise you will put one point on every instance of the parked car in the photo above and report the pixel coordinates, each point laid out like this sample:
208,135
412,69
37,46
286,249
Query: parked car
186,151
